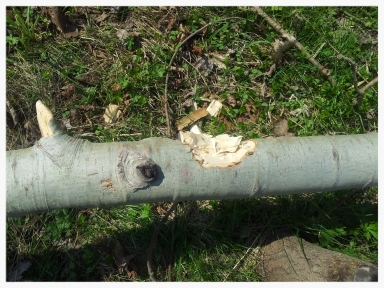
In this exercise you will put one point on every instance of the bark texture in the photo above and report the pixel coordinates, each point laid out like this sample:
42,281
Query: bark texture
294,259
61,172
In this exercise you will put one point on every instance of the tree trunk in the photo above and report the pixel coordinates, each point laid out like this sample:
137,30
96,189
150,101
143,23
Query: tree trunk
61,172
293,259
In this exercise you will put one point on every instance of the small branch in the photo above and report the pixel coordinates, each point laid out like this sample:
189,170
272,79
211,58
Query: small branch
296,43
153,243
170,65
353,66
370,84
124,135
47,123
242,257
318,51
360,92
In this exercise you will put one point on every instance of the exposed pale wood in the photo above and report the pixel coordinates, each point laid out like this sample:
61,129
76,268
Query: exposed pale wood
44,117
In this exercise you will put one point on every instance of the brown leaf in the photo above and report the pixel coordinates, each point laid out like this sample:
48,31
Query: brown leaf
116,87
67,91
197,49
132,274
192,117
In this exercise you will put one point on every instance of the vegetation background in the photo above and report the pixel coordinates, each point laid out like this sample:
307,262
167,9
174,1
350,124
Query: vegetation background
78,60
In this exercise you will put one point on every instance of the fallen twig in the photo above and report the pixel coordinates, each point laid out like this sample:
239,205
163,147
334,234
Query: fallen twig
170,65
296,43
242,257
359,91
153,243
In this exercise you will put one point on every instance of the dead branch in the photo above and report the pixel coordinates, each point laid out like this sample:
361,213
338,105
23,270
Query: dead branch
359,91
296,43
153,243
370,84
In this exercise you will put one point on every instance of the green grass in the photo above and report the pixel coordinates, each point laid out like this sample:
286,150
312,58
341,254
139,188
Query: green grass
210,240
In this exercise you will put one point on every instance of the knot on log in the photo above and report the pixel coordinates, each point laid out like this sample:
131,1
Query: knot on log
147,171
136,169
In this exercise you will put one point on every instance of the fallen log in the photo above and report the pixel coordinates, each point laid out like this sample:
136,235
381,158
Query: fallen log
60,171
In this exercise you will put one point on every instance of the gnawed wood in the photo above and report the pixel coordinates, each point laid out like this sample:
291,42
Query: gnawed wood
44,117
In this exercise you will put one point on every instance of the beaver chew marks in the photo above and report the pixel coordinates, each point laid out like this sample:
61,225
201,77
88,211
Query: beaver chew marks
220,151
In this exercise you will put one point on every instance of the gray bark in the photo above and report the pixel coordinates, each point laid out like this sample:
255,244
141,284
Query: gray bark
61,172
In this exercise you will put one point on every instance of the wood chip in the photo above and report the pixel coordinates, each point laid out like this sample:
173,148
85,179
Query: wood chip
192,117
112,113
214,108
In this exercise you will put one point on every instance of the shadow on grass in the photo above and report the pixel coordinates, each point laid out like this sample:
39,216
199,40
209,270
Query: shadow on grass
211,239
